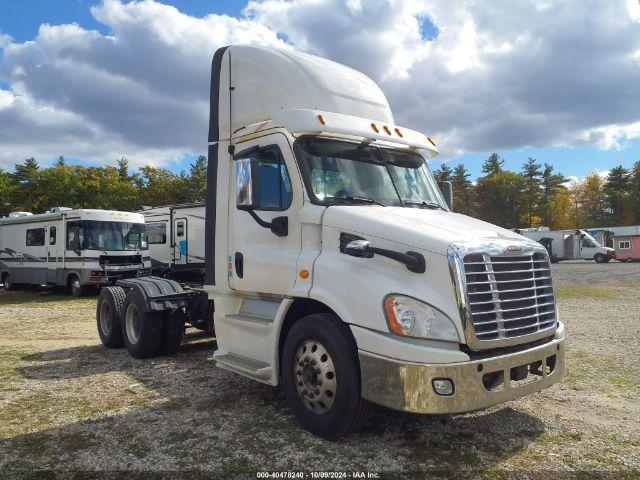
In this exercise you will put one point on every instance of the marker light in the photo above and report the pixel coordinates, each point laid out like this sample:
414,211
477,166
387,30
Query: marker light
399,133
304,273
432,141
387,129
321,119
375,128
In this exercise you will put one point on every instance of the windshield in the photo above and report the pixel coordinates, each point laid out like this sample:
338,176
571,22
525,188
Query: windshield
97,235
589,242
337,171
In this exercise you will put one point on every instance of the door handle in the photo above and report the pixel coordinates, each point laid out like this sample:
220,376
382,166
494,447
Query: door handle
239,263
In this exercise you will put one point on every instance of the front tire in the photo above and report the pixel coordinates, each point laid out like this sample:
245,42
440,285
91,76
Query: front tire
141,331
109,311
75,287
321,376
599,258
6,281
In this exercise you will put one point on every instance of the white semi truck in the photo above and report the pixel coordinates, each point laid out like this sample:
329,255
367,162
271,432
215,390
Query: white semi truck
570,245
335,268
72,248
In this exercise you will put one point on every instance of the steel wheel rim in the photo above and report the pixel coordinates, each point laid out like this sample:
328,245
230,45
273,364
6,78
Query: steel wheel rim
105,318
132,323
75,286
315,377
7,283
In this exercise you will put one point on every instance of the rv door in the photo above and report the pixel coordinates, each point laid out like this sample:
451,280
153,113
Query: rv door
54,252
180,245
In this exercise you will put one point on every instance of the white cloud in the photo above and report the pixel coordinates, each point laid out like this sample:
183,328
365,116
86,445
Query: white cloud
499,75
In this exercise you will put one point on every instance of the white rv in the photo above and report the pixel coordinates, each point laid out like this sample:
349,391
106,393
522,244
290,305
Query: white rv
175,236
570,245
336,267
72,248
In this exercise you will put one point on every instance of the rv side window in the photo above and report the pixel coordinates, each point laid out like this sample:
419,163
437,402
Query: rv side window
74,235
35,237
156,233
52,235
624,245
180,229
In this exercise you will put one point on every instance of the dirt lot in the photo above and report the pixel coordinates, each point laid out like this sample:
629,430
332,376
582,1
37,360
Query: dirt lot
68,404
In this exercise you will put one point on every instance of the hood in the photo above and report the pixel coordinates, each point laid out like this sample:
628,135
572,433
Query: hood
432,230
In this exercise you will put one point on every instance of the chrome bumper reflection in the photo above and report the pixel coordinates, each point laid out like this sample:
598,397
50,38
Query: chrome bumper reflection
408,386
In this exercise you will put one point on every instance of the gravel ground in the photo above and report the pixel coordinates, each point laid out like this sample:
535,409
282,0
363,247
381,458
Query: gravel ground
70,406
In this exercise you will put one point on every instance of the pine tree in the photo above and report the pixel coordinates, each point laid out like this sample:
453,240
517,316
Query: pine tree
463,191
634,194
26,176
493,165
616,193
443,174
551,183
198,179
531,173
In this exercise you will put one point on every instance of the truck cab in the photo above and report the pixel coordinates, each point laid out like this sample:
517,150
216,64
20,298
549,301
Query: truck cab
336,268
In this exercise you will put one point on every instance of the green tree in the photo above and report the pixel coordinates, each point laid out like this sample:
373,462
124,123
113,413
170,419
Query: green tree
443,174
532,191
551,184
634,194
198,179
463,191
6,192
616,193
493,165
500,199
26,191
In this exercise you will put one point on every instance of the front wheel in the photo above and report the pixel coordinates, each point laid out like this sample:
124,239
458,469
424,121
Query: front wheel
7,282
599,258
321,376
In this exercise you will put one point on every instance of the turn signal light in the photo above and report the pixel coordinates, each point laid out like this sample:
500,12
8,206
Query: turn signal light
304,273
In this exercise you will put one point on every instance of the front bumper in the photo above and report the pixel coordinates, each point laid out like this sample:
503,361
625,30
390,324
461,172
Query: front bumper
408,386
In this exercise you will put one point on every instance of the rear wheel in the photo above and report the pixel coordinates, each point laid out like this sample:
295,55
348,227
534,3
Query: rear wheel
141,331
6,281
321,376
75,287
109,311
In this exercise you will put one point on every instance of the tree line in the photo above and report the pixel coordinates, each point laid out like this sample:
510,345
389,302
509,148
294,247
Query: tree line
538,196
34,189
535,196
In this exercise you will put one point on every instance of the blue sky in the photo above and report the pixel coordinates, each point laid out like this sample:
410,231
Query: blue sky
21,19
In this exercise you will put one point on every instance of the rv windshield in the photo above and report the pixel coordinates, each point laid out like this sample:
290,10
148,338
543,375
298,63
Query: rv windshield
339,172
98,235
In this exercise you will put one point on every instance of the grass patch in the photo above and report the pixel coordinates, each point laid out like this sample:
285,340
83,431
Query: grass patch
564,292
22,297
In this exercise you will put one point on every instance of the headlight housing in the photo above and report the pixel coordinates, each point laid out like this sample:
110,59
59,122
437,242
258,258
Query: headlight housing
409,317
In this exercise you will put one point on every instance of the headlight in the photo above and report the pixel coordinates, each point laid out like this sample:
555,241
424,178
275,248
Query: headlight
412,318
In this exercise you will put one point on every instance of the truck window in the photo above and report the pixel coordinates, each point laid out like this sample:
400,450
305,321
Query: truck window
52,235
35,237
156,233
274,185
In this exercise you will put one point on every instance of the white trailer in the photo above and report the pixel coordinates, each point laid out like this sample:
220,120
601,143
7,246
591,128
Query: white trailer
570,245
72,248
175,236
336,267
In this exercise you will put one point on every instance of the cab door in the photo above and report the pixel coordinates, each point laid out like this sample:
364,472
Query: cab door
259,260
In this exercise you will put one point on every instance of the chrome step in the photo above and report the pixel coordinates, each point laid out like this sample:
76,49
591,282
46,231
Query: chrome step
250,317
243,365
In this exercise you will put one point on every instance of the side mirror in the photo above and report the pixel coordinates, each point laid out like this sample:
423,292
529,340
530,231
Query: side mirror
447,188
359,248
246,183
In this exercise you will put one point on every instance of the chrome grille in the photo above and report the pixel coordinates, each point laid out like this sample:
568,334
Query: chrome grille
509,296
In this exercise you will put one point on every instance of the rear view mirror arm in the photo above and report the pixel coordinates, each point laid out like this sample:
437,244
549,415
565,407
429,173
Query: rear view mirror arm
279,225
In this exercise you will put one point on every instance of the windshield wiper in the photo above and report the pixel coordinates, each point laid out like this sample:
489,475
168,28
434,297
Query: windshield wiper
430,205
366,200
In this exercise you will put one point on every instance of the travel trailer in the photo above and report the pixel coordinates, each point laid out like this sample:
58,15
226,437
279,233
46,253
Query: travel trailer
175,236
336,267
570,245
72,248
